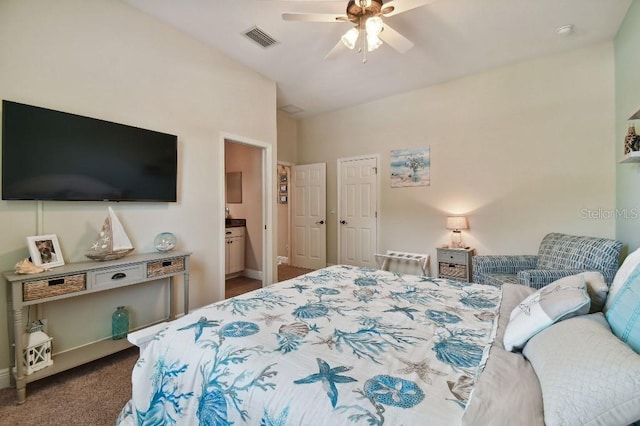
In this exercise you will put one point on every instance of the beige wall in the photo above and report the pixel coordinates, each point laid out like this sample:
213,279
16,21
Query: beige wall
248,160
521,150
627,62
105,59
287,138
288,154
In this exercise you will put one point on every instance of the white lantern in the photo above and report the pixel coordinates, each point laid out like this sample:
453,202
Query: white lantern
37,351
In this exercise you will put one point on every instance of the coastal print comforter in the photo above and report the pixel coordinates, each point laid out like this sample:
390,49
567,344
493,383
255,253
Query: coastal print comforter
341,345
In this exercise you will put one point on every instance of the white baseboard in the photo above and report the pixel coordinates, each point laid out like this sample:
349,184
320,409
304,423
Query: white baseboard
250,273
5,378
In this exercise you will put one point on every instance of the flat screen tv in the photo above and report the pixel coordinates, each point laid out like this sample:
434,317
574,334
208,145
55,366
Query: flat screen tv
53,155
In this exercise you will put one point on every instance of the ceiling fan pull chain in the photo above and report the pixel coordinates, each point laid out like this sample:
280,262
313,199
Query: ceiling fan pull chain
364,47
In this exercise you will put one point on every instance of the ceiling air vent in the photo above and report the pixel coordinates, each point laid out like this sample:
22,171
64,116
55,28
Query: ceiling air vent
260,37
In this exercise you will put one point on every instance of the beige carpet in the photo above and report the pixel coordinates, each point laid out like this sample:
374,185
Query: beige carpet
90,395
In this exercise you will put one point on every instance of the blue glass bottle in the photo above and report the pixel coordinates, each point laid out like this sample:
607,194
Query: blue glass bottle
119,323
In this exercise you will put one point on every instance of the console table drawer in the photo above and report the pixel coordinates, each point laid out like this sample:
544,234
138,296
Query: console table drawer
165,267
116,277
34,290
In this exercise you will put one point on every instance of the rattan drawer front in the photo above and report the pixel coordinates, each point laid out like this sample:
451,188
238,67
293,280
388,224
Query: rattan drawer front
34,290
118,276
453,256
165,267
452,270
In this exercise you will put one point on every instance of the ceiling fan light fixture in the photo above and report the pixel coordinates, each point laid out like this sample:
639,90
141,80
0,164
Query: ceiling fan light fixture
373,42
350,37
374,25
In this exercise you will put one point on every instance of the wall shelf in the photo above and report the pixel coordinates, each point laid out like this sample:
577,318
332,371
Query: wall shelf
632,157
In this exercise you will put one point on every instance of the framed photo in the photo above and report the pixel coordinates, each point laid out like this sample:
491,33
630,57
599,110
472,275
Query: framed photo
283,199
45,251
283,188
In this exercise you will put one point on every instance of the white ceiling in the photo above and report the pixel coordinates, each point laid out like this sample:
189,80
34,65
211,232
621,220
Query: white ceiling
452,38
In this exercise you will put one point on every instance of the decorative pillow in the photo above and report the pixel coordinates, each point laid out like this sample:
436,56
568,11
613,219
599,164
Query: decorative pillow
587,375
624,313
597,288
562,299
630,262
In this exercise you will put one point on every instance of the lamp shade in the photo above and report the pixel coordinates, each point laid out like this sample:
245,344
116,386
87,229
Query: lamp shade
457,222
350,37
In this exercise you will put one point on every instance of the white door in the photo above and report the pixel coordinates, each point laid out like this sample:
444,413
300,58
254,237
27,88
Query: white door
308,197
357,211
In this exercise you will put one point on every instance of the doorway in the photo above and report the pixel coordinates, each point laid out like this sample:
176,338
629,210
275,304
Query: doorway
284,214
254,159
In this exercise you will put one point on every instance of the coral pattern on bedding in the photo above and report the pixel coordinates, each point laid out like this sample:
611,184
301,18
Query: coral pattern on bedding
341,345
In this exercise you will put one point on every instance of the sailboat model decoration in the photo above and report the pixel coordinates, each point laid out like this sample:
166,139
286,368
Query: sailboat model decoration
112,242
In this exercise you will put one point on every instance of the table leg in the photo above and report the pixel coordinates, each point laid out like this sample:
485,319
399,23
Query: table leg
172,309
185,285
21,384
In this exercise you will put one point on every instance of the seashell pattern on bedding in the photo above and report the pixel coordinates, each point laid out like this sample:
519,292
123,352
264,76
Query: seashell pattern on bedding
341,345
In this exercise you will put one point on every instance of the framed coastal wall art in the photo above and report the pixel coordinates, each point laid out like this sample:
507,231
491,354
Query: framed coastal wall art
410,167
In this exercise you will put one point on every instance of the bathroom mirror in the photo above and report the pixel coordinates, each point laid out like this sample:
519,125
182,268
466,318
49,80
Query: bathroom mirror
234,187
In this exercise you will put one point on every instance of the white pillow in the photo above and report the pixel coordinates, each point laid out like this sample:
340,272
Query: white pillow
587,375
629,264
562,299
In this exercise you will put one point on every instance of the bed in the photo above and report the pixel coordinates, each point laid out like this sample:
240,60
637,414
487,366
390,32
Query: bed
351,345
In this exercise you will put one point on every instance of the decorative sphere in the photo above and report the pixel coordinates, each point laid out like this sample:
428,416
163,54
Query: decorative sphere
165,241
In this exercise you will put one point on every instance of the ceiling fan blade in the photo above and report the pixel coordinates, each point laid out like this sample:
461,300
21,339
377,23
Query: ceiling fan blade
338,48
313,17
395,39
400,6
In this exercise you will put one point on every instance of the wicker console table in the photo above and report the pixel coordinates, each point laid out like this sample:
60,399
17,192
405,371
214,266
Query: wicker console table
77,279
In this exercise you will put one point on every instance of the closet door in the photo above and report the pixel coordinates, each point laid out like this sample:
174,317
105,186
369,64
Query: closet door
357,211
309,230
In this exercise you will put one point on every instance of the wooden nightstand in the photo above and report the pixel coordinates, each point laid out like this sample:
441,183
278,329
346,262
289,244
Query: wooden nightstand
455,264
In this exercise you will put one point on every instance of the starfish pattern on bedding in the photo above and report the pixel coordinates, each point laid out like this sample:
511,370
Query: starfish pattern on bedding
269,319
329,377
300,287
200,325
407,311
421,368
329,341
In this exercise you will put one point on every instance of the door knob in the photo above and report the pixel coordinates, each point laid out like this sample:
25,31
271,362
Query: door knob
344,222
320,222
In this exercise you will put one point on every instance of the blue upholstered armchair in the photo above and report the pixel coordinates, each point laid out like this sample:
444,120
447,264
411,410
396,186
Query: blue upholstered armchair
559,255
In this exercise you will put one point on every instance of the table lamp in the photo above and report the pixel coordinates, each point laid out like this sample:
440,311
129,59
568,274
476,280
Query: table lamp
456,224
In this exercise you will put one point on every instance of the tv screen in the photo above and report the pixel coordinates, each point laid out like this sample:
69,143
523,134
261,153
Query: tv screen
53,155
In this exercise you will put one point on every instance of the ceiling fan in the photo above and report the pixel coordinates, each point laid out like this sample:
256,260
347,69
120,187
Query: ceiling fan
369,29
